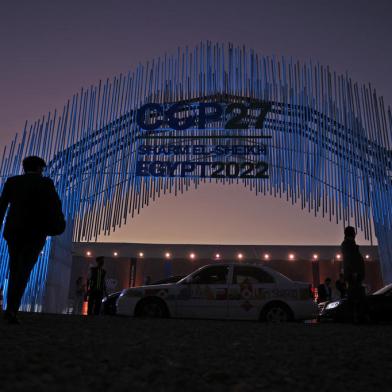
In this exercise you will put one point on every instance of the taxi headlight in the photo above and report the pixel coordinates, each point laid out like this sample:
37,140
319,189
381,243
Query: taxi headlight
333,305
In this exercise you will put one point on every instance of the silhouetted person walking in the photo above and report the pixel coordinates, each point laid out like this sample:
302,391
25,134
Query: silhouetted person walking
34,212
96,287
354,274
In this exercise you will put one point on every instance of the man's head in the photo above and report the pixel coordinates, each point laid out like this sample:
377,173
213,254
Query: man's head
349,232
33,164
327,281
99,260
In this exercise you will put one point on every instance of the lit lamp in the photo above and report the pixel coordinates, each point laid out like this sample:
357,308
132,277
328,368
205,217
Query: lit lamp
338,256
315,256
141,254
88,253
115,254
266,256
291,256
367,257
240,256
167,255
192,256
217,256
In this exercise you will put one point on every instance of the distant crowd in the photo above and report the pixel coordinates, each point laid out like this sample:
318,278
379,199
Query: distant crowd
327,292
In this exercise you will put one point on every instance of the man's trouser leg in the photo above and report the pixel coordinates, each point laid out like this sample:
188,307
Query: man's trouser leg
23,256
91,300
98,303
94,302
356,300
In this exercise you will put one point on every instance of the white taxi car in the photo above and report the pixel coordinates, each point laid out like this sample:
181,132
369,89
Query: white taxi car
223,291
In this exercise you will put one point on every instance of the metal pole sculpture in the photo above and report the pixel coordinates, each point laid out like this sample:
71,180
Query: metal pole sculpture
216,113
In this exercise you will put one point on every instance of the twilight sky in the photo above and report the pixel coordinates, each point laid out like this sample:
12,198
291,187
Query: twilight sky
49,49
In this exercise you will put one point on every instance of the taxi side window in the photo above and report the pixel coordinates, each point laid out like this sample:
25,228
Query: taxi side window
211,275
251,275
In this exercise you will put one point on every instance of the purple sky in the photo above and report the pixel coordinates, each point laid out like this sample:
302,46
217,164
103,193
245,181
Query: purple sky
49,49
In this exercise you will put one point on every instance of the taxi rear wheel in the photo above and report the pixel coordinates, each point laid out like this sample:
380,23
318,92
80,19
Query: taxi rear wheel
276,313
152,308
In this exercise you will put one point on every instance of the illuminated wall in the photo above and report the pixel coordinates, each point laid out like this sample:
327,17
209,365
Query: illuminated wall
327,143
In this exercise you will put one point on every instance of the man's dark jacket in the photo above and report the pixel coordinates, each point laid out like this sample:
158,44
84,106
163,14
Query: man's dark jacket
353,263
97,279
32,199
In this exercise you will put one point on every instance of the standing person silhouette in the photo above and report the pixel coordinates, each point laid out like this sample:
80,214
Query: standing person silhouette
341,286
34,212
324,291
354,274
96,287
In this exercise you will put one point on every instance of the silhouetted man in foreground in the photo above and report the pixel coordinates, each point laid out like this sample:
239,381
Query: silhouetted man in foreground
34,212
96,287
354,274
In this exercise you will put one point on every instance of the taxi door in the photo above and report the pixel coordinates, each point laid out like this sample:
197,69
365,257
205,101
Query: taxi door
204,294
248,291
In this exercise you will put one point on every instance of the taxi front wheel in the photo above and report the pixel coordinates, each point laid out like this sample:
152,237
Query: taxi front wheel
276,313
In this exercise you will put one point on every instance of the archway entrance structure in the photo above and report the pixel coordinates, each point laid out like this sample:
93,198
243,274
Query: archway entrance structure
214,113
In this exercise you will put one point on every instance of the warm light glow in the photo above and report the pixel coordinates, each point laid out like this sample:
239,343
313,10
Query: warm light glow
266,256
338,256
217,256
115,254
367,257
167,255
88,253
141,254
85,308
240,256
192,255
291,256
315,256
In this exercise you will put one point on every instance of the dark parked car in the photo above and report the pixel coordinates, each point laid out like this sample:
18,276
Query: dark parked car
379,306
109,302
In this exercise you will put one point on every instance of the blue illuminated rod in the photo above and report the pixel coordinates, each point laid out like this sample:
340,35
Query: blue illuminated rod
327,145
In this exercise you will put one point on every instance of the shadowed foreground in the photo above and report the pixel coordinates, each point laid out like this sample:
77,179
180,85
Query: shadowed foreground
64,353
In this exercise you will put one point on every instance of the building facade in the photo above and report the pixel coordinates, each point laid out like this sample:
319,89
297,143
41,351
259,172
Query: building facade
130,265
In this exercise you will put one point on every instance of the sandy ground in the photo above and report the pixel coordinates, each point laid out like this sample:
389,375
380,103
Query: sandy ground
76,353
